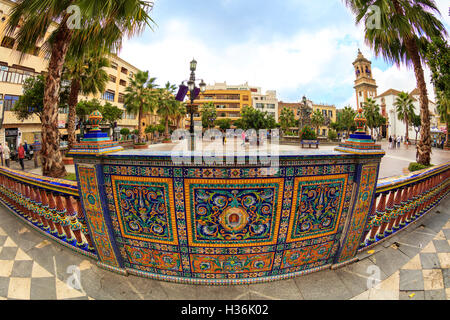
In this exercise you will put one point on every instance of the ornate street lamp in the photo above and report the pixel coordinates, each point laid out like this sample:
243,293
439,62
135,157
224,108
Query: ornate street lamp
302,113
194,92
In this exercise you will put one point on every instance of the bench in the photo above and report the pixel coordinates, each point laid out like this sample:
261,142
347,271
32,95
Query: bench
310,143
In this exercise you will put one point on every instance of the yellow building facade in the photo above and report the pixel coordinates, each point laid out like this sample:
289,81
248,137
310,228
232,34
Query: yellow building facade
228,103
14,71
328,112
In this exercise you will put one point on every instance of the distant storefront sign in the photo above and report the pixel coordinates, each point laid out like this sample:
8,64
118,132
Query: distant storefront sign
11,132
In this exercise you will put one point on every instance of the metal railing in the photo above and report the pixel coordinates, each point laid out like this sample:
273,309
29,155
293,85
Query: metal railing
51,206
401,201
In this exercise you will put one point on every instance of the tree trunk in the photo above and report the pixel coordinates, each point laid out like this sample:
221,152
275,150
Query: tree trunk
447,143
52,164
167,128
407,130
140,129
424,146
73,101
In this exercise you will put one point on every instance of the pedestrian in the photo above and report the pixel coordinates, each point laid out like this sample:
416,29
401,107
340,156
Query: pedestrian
1,153
21,154
243,138
390,142
394,142
398,142
6,154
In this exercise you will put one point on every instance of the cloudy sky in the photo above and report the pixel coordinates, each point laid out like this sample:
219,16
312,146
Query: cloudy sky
296,47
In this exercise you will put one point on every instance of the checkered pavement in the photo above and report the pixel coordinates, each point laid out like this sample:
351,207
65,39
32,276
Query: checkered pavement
425,277
21,277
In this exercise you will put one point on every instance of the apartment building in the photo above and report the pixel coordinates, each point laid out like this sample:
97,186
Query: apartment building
328,111
330,115
231,99
14,71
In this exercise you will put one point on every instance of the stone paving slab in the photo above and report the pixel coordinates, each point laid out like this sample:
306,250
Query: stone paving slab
32,267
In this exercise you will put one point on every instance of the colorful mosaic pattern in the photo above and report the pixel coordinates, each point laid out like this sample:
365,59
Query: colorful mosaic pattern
307,255
94,215
231,264
363,202
238,214
317,206
145,209
229,224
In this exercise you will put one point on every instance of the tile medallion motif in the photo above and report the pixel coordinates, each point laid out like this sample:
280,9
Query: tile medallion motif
317,206
237,213
145,209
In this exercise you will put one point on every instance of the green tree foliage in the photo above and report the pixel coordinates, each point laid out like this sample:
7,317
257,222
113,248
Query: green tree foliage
317,119
110,112
332,134
405,109
32,100
255,119
209,115
404,28
372,114
416,123
287,118
141,97
103,24
438,58
345,120
168,106
308,134
223,124
125,132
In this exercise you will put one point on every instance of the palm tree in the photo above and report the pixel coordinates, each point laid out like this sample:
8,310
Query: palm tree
317,120
167,106
103,23
405,28
140,97
180,113
372,114
87,77
405,110
443,109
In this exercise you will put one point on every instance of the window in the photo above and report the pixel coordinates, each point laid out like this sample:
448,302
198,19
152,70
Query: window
324,112
324,132
330,114
245,98
124,70
270,106
123,83
114,65
8,42
112,78
9,102
260,105
109,96
16,74
121,98
64,110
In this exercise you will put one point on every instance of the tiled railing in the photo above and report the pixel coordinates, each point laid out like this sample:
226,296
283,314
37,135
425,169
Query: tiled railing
402,201
52,206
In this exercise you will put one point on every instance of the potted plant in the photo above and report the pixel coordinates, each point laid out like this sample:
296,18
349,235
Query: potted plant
308,137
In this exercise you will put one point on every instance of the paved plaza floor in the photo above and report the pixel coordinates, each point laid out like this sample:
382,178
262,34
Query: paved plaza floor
413,265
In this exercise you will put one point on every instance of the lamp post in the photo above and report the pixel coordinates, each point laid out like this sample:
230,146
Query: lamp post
194,91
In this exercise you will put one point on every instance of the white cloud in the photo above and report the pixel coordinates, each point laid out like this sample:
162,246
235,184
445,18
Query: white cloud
319,59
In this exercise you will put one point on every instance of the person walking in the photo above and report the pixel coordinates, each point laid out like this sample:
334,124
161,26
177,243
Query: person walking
390,142
398,142
21,155
6,154
1,153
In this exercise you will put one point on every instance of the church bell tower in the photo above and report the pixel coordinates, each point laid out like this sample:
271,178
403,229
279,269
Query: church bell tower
365,84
